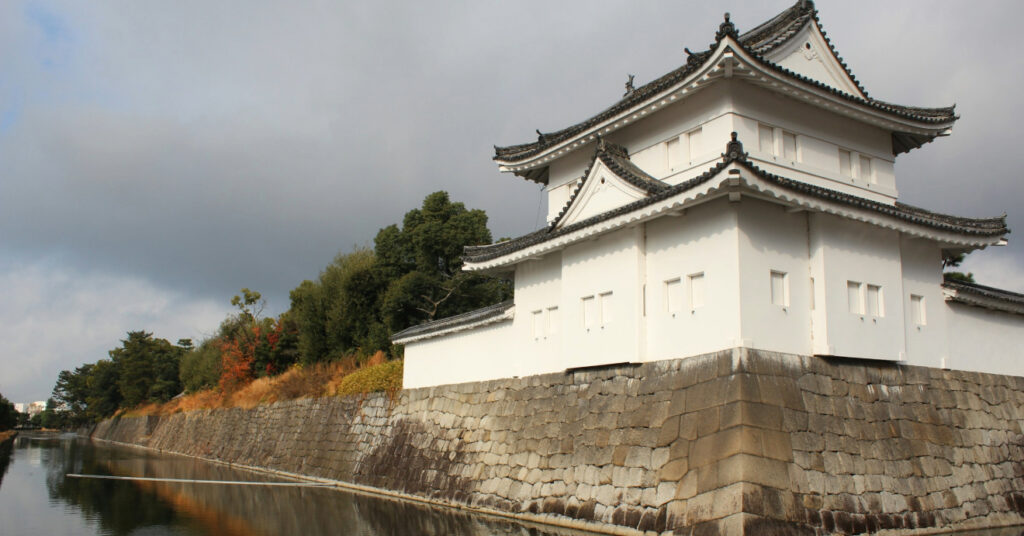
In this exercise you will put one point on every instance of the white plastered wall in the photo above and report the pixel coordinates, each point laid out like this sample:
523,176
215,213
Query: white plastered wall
607,271
483,353
774,240
539,319
700,242
819,135
984,340
922,276
844,251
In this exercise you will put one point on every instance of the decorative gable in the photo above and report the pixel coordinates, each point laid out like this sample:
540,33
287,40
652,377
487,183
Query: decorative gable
610,181
808,53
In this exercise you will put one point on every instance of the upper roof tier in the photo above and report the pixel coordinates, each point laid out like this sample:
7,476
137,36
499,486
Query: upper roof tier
755,53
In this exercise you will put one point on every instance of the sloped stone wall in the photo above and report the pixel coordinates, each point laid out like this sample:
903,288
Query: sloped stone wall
727,443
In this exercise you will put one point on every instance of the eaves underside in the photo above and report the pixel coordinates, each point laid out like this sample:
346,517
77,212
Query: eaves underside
947,229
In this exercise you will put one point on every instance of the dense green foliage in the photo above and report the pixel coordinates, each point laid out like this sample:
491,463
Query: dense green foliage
200,368
8,416
143,369
412,275
954,262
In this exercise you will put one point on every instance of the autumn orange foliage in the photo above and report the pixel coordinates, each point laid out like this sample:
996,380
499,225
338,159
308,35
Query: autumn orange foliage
320,379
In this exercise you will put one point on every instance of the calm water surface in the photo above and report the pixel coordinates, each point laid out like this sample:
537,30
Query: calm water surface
36,498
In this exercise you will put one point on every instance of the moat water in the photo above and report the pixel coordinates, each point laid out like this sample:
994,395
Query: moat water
38,498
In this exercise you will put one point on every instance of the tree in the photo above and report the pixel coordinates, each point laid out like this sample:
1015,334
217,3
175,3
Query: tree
72,392
8,416
423,260
953,262
147,369
200,367
104,395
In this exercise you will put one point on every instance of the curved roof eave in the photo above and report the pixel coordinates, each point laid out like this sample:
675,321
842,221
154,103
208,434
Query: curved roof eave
536,153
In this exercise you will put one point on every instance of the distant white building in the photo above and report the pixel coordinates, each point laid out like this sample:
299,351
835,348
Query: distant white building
745,199
35,408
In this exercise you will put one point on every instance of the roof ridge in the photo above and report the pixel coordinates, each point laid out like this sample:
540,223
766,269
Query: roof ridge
616,158
735,154
801,12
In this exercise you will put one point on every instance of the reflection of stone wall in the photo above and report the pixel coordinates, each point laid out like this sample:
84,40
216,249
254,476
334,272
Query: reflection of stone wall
731,442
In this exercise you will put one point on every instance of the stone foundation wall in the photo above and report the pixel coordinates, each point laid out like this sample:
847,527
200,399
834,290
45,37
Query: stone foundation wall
728,443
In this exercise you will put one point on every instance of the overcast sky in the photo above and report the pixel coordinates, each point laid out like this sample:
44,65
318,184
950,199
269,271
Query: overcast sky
155,157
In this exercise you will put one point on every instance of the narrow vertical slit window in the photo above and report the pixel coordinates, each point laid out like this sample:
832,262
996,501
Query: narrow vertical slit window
538,324
812,294
673,295
853,297
589,312
673,156
606,307
779,289
845,163
789,146
917,310
696,284
865,170
553,320
693,140
766,139
875,303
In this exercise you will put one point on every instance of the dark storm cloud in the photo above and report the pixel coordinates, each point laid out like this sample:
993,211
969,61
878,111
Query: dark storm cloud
199,147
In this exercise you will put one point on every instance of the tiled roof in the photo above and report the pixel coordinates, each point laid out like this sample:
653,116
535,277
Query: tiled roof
616,158
757,42
982,296
734,154
464,320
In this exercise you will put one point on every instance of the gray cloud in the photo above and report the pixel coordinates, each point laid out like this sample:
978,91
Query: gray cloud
203,147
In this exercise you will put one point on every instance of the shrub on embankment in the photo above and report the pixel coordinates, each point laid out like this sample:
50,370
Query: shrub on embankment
339,378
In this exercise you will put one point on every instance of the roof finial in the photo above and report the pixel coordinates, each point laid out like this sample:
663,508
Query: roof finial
727,28
734,149
540,136
629,85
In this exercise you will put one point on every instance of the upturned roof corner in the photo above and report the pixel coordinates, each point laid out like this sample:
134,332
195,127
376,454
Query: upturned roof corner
923,124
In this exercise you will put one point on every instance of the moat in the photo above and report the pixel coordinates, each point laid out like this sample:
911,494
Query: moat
38,498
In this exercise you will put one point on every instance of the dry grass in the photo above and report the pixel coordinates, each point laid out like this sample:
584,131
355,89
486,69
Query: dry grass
341,377
4,436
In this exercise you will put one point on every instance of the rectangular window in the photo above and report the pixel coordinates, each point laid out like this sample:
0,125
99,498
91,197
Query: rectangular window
917,310
589,312
606,307
845,163
789,146
673,295
553,321
853,296
674,159
693,139
780,288
865,170
696,284
875,303
766,139
538,324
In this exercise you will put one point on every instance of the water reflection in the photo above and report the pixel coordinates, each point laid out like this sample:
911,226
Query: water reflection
113,507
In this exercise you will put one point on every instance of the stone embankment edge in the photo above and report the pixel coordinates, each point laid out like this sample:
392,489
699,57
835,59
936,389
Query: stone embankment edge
732,442
526,518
